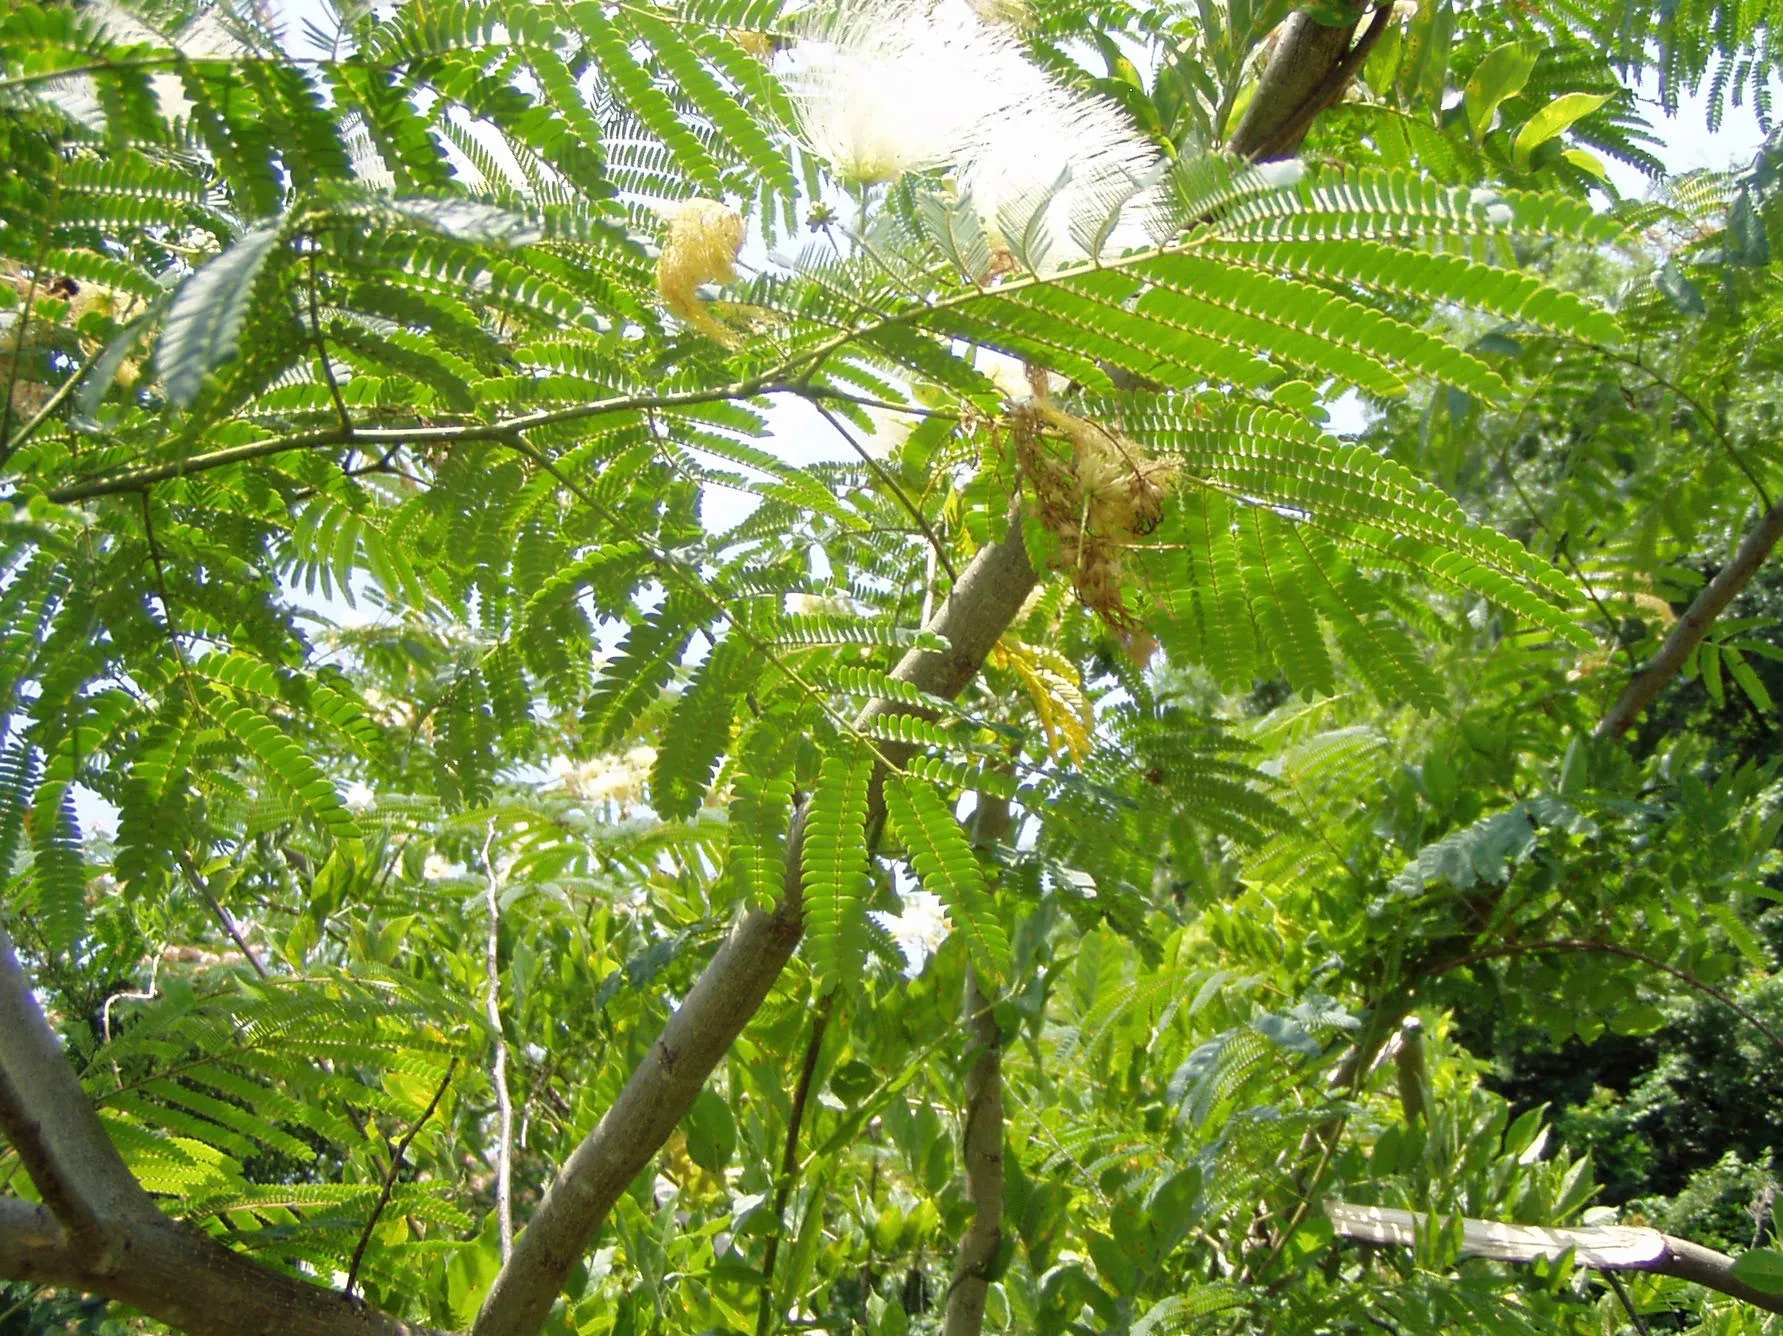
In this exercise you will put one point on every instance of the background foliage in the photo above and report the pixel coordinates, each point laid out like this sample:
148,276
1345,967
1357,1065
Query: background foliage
360,556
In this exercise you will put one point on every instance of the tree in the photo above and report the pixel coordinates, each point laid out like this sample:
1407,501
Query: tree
529,953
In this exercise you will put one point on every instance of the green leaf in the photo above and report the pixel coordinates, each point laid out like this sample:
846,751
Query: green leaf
948,866
58,870
1501,75
699,729
1761,1268
206,316
1679,290
834,864
1553,119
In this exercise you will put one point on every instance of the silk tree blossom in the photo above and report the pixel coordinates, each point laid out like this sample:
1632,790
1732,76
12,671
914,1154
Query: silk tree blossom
1076,161
919,929
894,86
885,87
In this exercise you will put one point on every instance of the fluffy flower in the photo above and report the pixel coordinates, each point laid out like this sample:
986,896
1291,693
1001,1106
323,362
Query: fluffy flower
1074,159
703,239
886,87
894,86
619,779
919,929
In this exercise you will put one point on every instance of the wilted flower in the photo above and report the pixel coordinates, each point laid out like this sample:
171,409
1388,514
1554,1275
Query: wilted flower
703,239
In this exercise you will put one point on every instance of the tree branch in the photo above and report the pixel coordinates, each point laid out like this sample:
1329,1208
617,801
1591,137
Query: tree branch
981,1143
100,1232
990,592
33,1247
50,1122
504,1103
1604,1248
1311,66
1610,949
981,1147
1708,604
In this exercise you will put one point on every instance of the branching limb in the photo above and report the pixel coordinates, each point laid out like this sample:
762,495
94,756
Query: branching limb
1708,604
50,1122
1607,1248
33,1247
100,1232
982,604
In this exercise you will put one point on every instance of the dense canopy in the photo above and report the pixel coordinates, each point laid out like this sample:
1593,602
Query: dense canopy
723,666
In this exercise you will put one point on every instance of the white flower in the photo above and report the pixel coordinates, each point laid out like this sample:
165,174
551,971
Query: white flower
1074,159
436,868
919,929
359,797
887,87
894,86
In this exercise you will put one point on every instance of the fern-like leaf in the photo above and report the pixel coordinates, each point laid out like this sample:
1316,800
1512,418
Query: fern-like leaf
948,866
834,864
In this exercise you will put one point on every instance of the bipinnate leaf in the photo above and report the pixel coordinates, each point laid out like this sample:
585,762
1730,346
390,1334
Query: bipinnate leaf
206,316
291,770
948,866
834,864
698,731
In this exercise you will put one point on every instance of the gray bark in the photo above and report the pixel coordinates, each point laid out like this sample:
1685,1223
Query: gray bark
1603,1248
1690,629
982,1150
100,1232
1309,69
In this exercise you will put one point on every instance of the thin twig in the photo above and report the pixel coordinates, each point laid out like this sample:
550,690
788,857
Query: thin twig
1640,1323
334,389
504,1165
18,351
396,1162
1711,600
1709,420
789,1164
55,401
1609,949
224,917
891,483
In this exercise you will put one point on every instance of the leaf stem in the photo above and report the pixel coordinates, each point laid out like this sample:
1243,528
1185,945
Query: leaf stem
789,1162
396,1162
